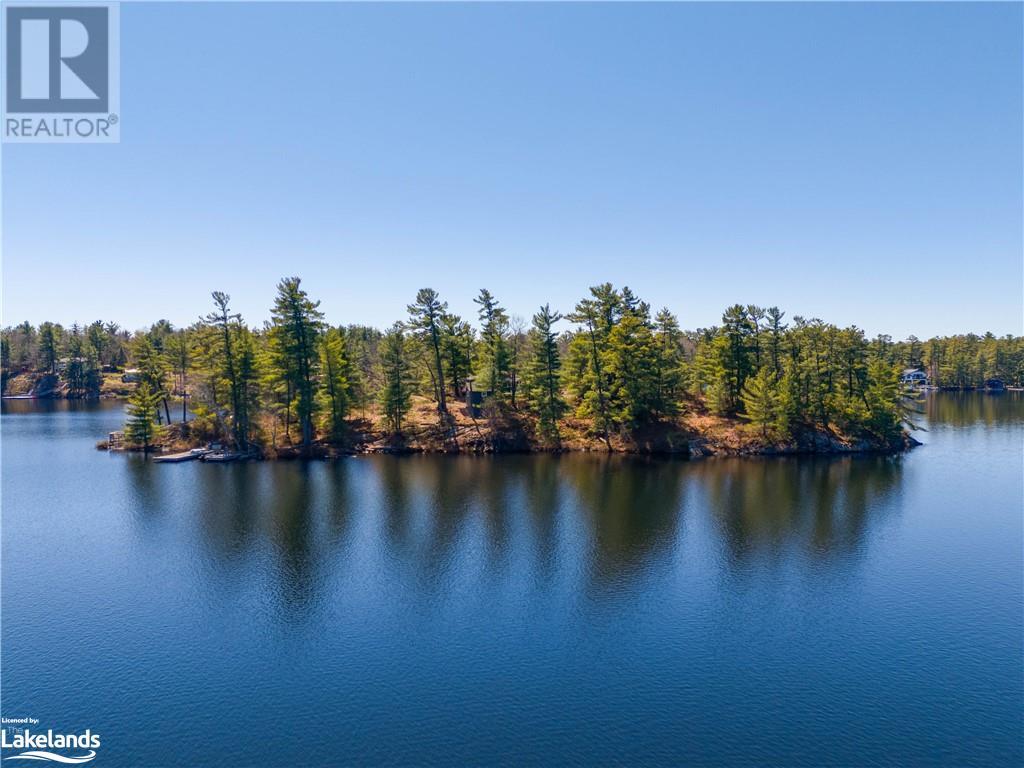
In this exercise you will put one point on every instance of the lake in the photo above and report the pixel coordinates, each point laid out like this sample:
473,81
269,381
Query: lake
519,610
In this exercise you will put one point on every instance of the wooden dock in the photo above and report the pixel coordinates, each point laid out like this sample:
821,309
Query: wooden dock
170,458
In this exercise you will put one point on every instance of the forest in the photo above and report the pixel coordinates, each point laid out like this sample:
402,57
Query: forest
603,373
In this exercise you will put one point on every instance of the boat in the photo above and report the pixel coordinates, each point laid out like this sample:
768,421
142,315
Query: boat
220,456
192,455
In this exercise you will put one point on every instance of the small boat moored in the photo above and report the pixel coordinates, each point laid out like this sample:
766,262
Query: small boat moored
192,455
220,457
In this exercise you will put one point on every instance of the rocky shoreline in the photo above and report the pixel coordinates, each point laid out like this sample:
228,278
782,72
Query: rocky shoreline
672,443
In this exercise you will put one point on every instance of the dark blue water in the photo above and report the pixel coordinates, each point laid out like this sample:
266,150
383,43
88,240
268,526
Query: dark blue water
519,610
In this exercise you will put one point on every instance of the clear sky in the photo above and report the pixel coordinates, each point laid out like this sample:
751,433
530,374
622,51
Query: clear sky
861,163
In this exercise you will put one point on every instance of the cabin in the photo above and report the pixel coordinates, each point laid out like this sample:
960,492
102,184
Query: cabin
131,376
64,363
994,385
474,400
913,377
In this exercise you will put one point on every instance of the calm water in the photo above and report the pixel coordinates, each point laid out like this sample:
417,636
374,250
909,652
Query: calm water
519,610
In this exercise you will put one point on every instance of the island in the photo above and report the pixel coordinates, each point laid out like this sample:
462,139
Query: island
610,375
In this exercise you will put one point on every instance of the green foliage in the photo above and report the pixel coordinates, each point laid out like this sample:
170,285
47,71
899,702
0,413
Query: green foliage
142,428
882,399
457,351
296,323
396,392
426,315
219,356
617,370
49,340
710,374
631,364
765,404
335,393
541,384
587,381
493,352
152,365
671,362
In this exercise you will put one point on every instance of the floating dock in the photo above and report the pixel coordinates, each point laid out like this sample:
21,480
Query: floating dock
170,458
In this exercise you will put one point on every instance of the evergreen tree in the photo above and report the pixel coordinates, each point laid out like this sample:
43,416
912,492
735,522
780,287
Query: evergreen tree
542,375
223,365
142,428
671,362
49,340
295,327
152,371
396,392
764,404
335,393
631,363
736,327
710,372
493,349
882,398
755,316
248,383
457,343
587,379
776,330
517,343
178,350
425,317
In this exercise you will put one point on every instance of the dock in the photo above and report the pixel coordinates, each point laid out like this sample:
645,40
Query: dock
221,456
192,455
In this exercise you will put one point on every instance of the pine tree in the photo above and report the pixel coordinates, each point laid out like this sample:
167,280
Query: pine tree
335,393
295,327
141,428
457,343
630,361
396,392
222,363
883,399
542,375
736,327
586,376
764,405
49,340
710,373
178,350
671,362
248,383
425,317
493,349
152,367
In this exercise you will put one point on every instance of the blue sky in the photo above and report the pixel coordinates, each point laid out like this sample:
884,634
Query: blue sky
857,162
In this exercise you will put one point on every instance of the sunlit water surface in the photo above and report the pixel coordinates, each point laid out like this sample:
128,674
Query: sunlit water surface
519,610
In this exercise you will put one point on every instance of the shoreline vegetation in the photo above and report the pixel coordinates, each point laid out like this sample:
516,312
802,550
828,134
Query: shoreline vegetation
615,377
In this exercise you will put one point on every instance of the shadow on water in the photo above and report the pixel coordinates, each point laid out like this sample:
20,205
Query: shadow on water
574,609
818,508
630,508
431,515
965,409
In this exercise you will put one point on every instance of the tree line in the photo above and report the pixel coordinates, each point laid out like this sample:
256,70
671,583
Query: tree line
609,364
